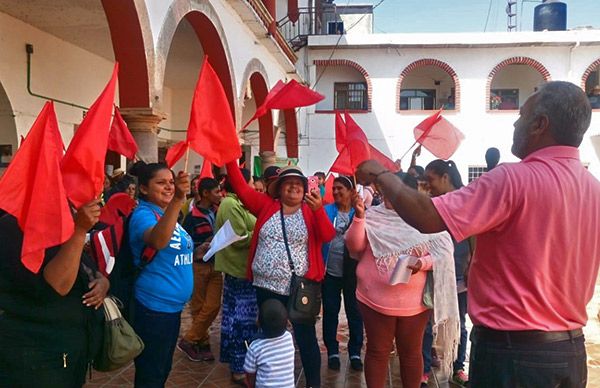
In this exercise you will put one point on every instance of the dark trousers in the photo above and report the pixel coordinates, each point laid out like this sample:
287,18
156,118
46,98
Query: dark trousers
159,331
332,290
504,364
306,340
462,346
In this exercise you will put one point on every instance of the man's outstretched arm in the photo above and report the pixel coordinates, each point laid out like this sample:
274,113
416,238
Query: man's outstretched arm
415,208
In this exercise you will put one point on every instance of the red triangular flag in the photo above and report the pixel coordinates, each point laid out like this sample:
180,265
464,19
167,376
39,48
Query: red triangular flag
206,171
439,136
383,159
176,152
32,191
120,139
83,164
293,12
287,96
356,142
329,189
343,163
340,132
211,131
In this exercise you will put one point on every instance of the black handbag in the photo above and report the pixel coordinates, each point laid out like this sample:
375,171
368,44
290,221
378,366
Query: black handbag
304,303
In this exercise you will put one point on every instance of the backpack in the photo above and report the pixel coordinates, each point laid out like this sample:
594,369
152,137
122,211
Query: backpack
111,250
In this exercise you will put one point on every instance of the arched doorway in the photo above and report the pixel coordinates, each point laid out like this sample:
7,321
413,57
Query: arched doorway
428,84
590,82
8,131
512,81
194,37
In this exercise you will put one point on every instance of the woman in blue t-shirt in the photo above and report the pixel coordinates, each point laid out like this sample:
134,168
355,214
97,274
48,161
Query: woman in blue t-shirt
165,284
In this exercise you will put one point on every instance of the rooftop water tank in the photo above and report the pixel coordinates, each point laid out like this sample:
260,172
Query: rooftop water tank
550,16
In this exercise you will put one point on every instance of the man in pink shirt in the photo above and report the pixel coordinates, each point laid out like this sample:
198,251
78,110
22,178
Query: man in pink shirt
538,248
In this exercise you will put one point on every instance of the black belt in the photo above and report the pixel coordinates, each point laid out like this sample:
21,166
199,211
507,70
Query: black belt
524,337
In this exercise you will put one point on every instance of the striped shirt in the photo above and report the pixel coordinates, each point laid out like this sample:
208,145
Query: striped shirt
272,359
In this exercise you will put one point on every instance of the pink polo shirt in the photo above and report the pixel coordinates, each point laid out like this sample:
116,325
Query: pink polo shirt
537,224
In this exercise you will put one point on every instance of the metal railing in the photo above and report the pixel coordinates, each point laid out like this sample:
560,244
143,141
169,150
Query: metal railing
311,21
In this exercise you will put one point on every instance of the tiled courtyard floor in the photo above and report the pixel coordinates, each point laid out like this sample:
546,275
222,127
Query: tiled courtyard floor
187,374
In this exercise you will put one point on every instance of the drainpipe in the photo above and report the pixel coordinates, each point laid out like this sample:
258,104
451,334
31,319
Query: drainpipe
570,74
29,50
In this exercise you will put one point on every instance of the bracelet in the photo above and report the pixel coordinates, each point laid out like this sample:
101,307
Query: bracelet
381,173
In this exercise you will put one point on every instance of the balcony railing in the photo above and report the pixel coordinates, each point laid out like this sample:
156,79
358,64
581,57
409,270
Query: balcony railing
270,25
311,21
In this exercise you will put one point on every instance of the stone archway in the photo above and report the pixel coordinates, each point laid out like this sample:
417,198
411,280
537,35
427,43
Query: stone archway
211,34
526,82
450,84
8,131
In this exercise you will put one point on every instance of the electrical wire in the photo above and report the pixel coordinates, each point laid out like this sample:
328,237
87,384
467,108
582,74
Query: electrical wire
487,19
339,40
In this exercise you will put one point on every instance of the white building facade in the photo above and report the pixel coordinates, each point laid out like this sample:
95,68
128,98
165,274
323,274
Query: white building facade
391,82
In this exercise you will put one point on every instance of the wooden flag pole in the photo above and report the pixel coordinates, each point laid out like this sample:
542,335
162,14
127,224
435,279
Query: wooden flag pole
187,158
410,148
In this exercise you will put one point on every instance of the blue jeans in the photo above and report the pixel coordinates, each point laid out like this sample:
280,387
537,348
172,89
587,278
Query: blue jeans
462,346
306,340
503,365
332,289
159,331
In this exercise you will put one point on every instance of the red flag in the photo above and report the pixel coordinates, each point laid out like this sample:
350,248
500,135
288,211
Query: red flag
120,139
356,142
211,131
329,189
83,164
438,135
340,132
176,152
32,191
293,12
383,159
287,96
206,171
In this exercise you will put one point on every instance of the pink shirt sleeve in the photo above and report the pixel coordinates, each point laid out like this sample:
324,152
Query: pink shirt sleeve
356,238
482,206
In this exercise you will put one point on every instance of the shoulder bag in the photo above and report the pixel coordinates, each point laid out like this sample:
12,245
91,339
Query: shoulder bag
120,344
304,303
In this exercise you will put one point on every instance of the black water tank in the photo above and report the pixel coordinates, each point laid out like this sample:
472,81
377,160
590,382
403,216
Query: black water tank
551,16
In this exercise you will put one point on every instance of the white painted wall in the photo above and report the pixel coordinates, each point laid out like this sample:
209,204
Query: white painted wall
59,70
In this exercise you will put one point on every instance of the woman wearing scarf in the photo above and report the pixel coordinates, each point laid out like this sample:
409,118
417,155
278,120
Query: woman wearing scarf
378,238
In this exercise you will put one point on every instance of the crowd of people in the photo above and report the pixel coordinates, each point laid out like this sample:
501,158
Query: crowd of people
401,249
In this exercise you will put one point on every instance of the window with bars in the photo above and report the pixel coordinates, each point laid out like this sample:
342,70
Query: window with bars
504,99
417,99
350,95
475,172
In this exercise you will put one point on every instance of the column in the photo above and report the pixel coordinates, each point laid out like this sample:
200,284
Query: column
143,124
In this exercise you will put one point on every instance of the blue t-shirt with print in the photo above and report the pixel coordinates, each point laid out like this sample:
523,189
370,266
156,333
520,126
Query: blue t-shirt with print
166,284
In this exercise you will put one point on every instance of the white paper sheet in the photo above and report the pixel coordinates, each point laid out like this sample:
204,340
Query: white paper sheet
401,272
224,238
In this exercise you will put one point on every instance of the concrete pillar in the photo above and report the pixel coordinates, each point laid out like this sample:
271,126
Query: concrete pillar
143,124
267,158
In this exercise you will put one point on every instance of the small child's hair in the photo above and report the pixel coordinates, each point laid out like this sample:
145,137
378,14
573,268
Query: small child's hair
272,318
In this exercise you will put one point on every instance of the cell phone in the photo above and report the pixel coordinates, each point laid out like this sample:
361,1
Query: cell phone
313,183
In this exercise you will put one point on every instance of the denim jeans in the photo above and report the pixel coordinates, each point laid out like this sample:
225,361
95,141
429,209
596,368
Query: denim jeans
306,340
159,331
333,287
503,365
462,346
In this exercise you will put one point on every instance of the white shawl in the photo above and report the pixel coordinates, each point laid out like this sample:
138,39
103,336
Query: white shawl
389,237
